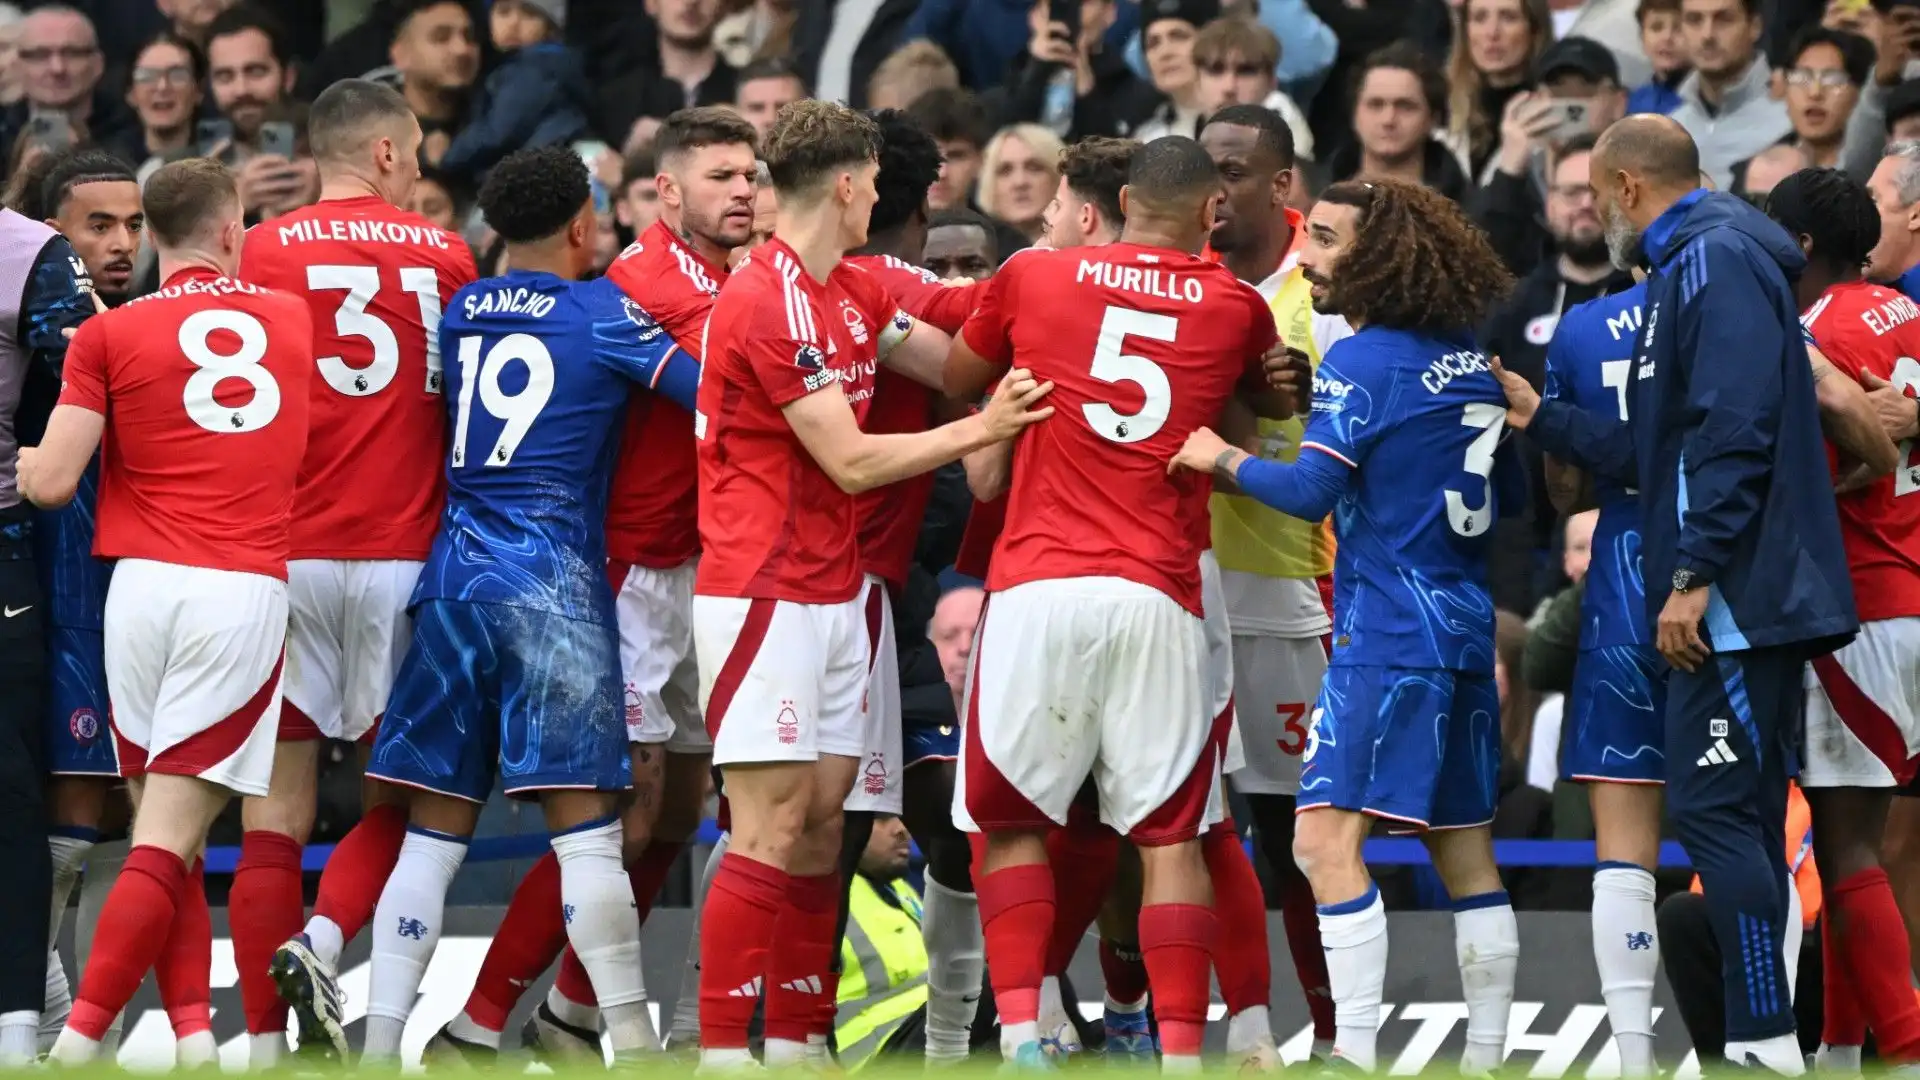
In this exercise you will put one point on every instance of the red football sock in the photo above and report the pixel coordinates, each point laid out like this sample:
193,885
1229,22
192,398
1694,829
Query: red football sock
1874,942
264,908
1177,941
184,969
1302,919
134,927
649,873
1241,962
573,982
532,932
1017,916
1126,973
736,927
801,954
358,869
1084,856
1841,1021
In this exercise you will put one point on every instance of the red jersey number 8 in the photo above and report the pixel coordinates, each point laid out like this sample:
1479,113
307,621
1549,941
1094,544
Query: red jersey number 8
213,368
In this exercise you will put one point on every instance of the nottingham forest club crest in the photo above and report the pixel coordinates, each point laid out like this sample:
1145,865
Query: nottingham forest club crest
787,724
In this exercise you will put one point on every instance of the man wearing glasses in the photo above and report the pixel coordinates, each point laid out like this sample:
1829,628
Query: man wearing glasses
61,63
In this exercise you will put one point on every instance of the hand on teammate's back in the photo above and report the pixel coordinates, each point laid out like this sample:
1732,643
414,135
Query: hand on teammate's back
1522,399
1011,407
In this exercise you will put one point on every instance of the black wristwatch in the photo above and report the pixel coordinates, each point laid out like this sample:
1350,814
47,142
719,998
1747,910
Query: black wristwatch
1684,580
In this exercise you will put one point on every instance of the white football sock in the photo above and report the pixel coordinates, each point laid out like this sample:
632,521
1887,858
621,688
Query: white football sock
73,1048
463,1028
1354,935
956,965
1246,1029
1053,1018
686,1008
195,1051
19,1038
1790,943
1486,941
603,926
69,850
569,1011
58,1001
103,869
265,1050
1837,1059
1626,951
325,939
406,928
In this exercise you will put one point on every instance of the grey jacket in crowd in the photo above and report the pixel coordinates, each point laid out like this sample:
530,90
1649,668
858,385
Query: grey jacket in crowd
1749,121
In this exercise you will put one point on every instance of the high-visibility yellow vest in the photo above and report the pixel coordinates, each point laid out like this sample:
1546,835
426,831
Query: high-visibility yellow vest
883,962
1257,539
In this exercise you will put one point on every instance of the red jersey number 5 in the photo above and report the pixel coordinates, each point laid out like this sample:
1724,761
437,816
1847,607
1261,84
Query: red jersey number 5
1293,729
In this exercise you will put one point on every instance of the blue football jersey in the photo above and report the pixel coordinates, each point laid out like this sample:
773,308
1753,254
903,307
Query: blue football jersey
1420,421
1589,366
538,371
72,580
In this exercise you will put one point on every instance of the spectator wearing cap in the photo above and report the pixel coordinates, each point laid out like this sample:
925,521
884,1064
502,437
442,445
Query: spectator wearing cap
537,96
436,58
1504,39
1902,112
1399,109
1827,70
1666,49
1167,30
1235,60
1510,202
1618,27
1107,97
684,69
1726,104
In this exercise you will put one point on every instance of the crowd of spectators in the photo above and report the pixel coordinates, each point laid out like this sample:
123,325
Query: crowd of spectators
1492,102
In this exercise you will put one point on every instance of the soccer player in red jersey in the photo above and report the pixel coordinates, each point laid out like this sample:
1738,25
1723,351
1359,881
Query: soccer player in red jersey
674,269
205,383
374,278
1093,650
1863,721
779,630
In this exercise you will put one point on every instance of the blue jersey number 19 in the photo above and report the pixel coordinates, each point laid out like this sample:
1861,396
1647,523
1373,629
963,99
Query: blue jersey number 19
515,411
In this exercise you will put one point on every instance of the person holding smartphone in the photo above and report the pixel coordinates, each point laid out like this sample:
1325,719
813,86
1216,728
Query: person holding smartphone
1068,82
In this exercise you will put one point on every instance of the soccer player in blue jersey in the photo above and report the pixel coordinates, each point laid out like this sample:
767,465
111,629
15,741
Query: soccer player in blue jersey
1612,734
514,668
1407,427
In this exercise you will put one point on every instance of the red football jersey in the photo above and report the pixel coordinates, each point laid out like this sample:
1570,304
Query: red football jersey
653,513
1865,327
375,279
773,525
204,387
890,516
1143,345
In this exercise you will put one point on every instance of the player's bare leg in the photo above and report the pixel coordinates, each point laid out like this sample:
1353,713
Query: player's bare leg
1353,925
1486,939
305,967
1178,932
1017,909
950,922
267,905
769,918
1626,946
1866,944
1273,824
143,916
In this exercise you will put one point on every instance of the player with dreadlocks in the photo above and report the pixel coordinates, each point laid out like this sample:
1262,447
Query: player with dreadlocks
1862,726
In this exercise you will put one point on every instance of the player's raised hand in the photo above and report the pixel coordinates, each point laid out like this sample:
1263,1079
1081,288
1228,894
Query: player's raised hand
1522,400
1012,406
1204,451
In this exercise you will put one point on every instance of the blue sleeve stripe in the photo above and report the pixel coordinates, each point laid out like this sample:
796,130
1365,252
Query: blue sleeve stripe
1693,270
1722,628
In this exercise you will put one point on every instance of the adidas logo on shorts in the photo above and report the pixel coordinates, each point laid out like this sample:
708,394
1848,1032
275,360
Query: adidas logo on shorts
1718,754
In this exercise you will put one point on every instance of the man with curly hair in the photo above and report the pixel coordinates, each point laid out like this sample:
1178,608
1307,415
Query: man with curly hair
514,664
1407,438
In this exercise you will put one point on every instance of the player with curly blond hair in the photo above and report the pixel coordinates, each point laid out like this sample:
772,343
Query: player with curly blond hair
1407,425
